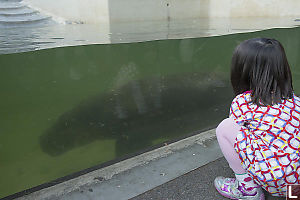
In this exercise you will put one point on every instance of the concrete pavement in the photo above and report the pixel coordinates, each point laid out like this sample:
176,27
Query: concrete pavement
194,185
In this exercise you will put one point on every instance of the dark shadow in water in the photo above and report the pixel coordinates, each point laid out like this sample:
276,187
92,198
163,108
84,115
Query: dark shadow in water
141,111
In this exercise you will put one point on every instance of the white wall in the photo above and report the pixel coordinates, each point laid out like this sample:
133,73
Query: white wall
87,11
265,8
107,11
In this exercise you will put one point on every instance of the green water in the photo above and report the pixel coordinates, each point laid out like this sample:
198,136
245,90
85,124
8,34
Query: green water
67,109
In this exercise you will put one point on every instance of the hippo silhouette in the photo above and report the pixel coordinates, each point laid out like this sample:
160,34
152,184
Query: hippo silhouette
140,111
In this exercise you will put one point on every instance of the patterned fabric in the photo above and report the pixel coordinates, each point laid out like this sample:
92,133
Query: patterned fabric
268,143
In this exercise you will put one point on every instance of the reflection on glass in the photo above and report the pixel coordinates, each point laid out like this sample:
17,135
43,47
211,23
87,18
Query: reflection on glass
67,109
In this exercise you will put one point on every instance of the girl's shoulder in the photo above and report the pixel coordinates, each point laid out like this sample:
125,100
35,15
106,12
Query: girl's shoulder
294,102
297,99
243,98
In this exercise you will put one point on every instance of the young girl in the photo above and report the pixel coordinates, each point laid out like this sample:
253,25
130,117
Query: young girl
260,139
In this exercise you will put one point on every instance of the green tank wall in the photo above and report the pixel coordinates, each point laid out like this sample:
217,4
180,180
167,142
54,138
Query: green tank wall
67,109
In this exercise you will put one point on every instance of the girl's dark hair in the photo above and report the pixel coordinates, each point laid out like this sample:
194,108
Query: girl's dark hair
260,65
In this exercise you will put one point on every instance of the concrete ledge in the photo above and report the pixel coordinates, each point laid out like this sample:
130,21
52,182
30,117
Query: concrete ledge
143,172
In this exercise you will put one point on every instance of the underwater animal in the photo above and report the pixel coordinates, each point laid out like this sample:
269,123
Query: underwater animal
140,111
